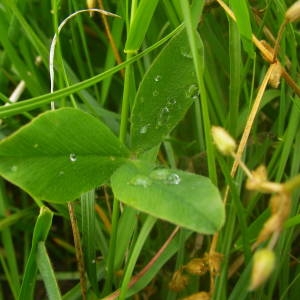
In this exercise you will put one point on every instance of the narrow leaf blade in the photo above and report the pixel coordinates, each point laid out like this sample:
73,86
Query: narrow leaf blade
240,10
137,32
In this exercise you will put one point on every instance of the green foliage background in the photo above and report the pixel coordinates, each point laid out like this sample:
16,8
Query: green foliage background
227,70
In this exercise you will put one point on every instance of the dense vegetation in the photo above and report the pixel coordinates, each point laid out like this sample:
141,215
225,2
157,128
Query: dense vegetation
118,179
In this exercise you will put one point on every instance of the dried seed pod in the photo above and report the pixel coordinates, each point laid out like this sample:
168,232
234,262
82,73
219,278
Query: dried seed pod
263,266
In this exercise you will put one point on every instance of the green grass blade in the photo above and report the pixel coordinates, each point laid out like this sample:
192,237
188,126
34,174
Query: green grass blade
41,229
240,9
46,270
145,231
198,58
137,32
87,201
30,104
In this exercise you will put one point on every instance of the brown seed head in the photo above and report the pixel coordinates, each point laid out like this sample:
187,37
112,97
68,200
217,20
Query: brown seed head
197,266
178,281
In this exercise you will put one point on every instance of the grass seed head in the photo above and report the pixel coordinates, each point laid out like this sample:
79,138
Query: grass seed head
293,13
263,266
275,76
223,141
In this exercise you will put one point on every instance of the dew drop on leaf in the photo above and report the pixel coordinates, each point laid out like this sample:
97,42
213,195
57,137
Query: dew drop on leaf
141,180
163,117
173,178
61,173
35,145
157,78
171,101
14,168
186,52
192,91
144,129
73,157
155,93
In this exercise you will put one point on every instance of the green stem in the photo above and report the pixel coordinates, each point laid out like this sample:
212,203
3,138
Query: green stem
116,209
125,102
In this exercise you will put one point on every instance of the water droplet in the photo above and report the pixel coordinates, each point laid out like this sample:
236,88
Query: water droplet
163,117
186,52
144,129
93,261
173,178
155,93
61,173
35,145
73,157
157,78
160,174
14,168
112,158
171,101
141,180
192,91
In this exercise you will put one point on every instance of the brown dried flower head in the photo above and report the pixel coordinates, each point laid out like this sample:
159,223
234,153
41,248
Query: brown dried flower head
197,266
178,281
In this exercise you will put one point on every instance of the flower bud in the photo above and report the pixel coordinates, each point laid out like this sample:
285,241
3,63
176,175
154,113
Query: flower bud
293,13
224,142
263,266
